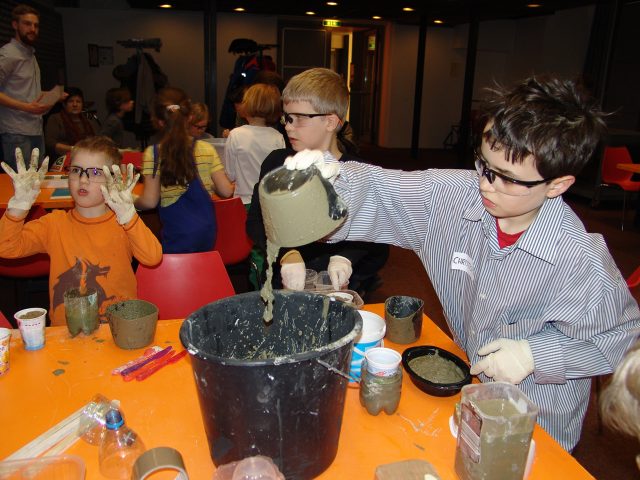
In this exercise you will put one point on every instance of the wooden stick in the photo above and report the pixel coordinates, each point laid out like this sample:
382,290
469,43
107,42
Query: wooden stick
63,445
49,438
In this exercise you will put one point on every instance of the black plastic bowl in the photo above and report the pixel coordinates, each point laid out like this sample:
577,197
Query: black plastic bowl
435,389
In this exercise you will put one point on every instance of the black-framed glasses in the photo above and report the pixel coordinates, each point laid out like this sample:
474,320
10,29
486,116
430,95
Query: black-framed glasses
507,184
94,174
300,119
200,127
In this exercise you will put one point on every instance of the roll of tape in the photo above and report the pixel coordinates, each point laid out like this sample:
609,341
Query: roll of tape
156,459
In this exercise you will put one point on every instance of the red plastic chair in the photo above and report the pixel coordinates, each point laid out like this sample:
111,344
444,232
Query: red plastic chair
27,267
634,279
4,323
612,175
184,282
232,240
132,157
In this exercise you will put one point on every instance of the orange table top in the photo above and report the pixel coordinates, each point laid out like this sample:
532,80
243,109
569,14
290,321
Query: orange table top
630,167
45,200
164,409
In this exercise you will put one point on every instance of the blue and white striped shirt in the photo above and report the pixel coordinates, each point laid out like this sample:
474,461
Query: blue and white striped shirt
557,286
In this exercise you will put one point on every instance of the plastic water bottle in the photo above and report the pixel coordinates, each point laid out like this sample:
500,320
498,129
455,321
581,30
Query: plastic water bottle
120,447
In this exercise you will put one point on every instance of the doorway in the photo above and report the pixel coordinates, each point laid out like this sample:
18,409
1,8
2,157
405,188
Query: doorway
352,51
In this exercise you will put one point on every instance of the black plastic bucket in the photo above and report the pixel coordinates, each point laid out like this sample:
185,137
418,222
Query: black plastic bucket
273,390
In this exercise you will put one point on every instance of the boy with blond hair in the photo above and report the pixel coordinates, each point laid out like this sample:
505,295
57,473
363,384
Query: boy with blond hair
315,104
95,241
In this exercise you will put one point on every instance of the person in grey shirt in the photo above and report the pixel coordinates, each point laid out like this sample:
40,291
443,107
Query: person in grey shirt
532,298
20,110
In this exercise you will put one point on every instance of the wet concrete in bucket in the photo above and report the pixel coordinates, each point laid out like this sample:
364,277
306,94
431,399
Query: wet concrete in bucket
274,391
309,323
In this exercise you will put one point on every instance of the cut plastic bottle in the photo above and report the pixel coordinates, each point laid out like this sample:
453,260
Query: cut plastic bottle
120,447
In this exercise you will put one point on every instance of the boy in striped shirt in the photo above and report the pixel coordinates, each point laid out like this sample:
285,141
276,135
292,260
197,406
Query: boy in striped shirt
531,297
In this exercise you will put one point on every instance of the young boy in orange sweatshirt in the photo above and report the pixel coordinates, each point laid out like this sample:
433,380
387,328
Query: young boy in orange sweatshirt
95,240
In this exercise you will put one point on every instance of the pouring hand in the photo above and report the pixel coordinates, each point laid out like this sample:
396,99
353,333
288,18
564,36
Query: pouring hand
26,182
340,271
507,360
328,166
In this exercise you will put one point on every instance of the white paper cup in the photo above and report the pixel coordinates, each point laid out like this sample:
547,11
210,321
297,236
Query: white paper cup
382,362
32,329
373,330
5,340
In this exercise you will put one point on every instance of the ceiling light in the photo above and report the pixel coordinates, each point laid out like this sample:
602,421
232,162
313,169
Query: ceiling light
377,17
165,5
332,4
238,9
407,9
534,5
438,21
310,13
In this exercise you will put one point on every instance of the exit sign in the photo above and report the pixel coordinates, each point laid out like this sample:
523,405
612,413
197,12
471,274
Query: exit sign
331,23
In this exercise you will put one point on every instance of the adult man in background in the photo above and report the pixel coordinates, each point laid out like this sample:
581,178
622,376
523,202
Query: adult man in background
20,93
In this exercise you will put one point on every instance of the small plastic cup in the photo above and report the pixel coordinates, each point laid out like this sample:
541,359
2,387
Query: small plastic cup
373,330
254,468
132,323
5,341
382,362
32,322
81,310
403,315
310,279
323,281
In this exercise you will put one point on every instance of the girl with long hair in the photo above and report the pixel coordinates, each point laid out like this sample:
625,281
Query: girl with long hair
180,173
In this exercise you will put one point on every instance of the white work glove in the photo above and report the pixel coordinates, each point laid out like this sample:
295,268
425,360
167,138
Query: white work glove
325,162
507,360
293,271
26,182
117,192
339,271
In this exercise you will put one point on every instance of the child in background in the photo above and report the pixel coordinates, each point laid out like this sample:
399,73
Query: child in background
315,104
181,173
199,122
531,297
620,400
118,102
96,239
247,146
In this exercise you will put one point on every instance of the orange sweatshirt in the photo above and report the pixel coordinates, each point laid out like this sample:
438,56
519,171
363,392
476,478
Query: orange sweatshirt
99,247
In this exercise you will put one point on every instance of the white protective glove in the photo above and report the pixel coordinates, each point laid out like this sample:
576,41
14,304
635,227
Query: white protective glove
117,192
26,182
293,271
507,360
325,162
339,271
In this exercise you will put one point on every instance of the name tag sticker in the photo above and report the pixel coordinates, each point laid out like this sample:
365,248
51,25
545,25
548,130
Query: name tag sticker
462,261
